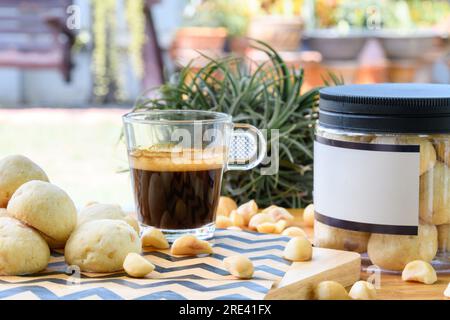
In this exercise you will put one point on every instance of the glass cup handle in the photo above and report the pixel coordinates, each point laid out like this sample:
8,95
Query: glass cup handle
247,147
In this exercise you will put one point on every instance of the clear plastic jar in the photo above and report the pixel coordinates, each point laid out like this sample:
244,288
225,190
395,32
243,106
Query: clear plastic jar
382,173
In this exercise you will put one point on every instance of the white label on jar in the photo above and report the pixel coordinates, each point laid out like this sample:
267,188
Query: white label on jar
367,187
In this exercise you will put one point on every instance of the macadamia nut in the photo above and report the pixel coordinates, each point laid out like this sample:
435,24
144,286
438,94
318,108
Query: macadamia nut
248,210
239,266
326,236
330,290
260,218
189,245
298,249
132,221
308,216
280,226
137,266
363,290
393,252
153,237
419,271
294,232
447,291
236,219
279,213
266,227
223,222
434,197
225,206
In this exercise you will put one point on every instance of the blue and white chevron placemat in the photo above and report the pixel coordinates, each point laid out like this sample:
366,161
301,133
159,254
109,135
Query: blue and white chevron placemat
173,278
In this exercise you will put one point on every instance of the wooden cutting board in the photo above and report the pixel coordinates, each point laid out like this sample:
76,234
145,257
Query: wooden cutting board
392,287
326,264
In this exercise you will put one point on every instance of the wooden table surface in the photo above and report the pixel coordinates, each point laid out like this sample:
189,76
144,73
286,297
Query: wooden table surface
391,285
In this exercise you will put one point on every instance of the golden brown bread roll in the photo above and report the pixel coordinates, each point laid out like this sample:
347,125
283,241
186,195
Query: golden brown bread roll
15,170
326,236
393,252
22,249
47,208
101,245
97,211
434,198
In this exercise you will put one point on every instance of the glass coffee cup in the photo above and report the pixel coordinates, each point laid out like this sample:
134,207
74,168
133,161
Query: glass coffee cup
177,159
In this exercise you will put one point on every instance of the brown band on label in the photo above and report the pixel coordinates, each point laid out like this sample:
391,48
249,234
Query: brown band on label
368,146
366,227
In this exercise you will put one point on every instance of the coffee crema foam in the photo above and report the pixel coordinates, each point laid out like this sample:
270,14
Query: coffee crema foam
177,159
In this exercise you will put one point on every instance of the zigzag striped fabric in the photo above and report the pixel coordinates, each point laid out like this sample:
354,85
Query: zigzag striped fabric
202,277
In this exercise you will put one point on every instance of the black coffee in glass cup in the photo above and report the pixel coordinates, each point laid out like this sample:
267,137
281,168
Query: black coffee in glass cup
177,159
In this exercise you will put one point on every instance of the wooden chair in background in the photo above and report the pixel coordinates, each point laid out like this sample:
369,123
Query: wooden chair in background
34,35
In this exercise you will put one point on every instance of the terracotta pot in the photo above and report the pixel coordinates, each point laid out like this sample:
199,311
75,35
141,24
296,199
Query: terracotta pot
282,33
309,61
345,69
238,45
402,71
189,41
371,74
200,38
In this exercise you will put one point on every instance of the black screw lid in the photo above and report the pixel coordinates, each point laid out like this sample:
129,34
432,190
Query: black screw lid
388,107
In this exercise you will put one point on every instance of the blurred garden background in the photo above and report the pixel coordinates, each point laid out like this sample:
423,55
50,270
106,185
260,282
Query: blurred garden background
70,68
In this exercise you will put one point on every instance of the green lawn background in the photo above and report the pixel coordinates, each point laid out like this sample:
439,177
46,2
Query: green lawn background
78,148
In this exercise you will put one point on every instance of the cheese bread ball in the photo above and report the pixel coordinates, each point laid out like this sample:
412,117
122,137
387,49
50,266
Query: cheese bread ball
326,236
101,245
15,170
97,211
434,198
363,138
393,252
442,148
427,151
47,208
22,249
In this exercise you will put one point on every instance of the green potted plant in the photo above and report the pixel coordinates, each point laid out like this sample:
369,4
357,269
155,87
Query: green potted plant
339,29
278,23
403,27
200,31
408,31
230,15
267,96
